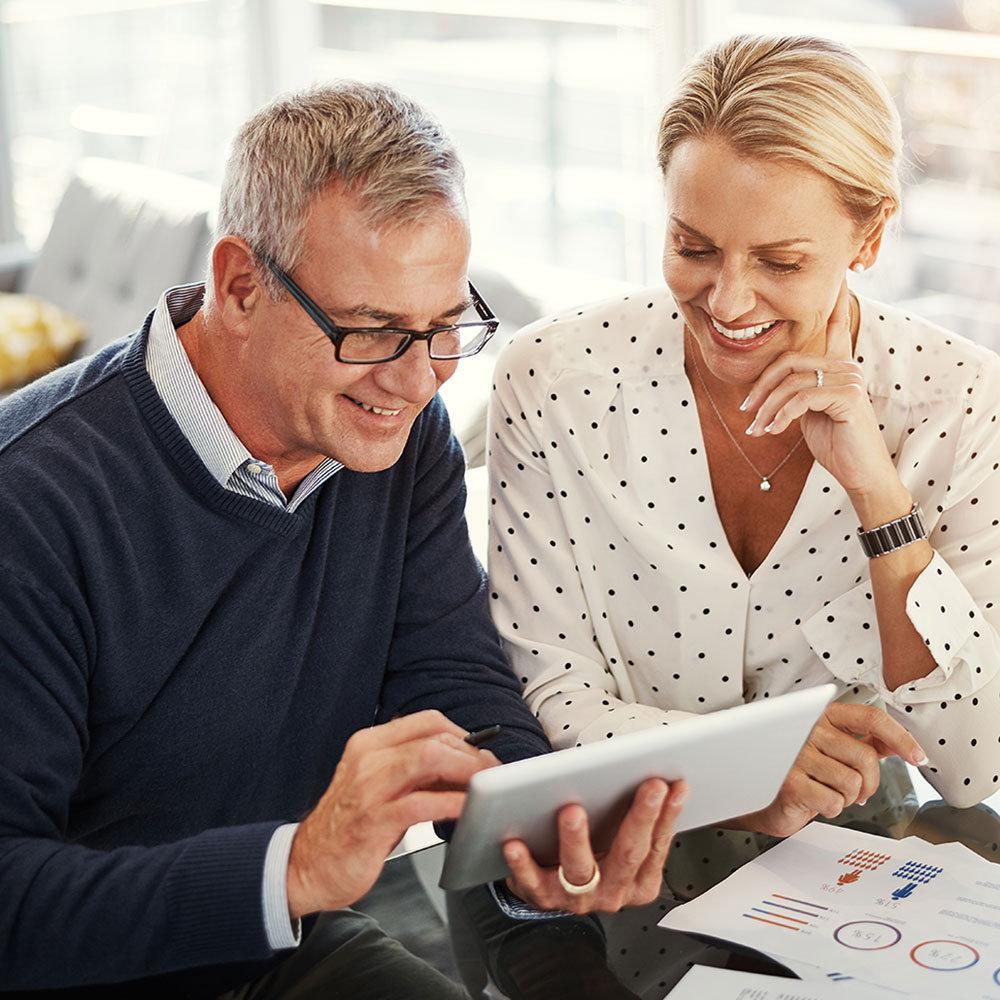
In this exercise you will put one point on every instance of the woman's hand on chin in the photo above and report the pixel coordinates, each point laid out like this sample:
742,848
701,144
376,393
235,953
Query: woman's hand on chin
837,767
833,409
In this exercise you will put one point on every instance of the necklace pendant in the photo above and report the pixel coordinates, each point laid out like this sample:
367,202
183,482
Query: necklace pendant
764,485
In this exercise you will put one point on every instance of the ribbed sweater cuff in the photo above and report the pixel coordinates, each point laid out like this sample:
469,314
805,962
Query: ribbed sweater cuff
214,896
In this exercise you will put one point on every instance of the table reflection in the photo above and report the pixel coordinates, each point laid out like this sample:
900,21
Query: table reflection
552,961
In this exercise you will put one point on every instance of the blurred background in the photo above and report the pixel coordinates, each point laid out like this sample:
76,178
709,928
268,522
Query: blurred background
553,104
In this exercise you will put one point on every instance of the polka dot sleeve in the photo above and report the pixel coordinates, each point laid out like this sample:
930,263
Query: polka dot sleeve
955,710
539,605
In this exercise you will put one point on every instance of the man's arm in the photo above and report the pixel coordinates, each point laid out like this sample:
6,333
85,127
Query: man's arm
391,776
445,652
75,915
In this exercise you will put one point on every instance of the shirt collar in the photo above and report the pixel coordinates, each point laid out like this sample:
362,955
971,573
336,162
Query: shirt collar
183,392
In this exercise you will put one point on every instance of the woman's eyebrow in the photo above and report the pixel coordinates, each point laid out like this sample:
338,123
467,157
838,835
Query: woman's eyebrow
775,245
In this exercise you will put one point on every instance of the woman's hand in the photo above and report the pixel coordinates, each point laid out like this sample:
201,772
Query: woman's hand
837,767
836,418
629,874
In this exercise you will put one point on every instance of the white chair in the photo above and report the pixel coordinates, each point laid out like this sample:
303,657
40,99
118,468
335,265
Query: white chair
121,233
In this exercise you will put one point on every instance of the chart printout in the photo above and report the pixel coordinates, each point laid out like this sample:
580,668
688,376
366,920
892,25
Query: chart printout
707,983
901,914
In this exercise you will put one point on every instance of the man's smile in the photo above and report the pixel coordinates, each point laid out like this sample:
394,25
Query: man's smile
380,410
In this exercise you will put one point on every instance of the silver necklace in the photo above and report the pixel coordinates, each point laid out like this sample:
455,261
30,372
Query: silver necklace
765,481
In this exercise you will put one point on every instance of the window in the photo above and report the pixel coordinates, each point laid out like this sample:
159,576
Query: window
154,81
941,62
553,104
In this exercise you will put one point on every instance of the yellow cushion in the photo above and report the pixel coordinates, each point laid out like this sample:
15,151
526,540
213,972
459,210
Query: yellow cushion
35,337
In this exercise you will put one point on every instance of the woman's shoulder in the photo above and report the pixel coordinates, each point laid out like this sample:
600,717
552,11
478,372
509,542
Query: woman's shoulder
906,356
614,336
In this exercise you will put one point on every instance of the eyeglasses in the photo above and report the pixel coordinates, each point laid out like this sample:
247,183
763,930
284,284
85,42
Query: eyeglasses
376,345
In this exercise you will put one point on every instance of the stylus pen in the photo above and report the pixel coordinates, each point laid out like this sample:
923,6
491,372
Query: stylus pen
480,736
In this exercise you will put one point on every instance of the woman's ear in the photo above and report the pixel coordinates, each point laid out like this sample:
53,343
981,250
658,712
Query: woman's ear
869,250
236,283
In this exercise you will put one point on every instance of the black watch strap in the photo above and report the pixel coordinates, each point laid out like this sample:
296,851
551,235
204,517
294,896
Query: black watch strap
888,537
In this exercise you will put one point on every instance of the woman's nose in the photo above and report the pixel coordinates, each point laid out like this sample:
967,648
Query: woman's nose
732,295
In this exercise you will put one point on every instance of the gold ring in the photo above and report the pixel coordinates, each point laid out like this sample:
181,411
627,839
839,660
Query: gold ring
580,890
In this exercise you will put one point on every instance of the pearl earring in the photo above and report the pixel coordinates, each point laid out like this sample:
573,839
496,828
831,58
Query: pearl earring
857,266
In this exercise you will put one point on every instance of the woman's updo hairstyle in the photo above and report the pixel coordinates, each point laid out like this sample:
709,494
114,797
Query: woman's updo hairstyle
808,100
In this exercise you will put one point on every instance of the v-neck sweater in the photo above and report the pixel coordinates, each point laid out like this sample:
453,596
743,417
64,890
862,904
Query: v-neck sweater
181,667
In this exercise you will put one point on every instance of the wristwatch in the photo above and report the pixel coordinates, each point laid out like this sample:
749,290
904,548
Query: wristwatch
888,537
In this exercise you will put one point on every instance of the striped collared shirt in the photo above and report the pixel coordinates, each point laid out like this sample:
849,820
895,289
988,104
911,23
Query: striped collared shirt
235,469
201,421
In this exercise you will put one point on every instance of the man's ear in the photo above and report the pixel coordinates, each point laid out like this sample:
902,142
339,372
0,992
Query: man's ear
236,280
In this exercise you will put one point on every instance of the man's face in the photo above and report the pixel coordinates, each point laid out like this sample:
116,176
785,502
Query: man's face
311,405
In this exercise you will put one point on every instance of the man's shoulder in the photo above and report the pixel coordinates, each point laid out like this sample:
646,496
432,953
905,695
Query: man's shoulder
30,408
431,437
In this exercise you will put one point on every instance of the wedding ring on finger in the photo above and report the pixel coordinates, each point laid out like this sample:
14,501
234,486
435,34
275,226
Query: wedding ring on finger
819,378
580,890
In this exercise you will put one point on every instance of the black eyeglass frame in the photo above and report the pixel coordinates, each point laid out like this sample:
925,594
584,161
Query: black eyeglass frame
337,334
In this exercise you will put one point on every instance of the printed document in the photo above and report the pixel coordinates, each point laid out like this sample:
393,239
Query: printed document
903,915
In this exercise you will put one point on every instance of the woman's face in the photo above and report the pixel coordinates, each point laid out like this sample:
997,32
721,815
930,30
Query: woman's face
755,254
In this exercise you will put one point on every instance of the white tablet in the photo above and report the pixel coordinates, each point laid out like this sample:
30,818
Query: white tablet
733,760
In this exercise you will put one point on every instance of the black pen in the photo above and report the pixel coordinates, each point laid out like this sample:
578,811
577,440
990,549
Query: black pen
480,736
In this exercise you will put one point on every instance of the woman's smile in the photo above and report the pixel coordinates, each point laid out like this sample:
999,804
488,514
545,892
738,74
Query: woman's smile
746,281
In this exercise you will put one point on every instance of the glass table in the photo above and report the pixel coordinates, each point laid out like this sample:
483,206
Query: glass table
552,963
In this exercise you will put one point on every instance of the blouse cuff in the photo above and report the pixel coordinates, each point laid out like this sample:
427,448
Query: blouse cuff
844,634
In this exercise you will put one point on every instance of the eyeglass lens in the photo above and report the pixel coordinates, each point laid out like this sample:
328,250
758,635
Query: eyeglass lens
381,345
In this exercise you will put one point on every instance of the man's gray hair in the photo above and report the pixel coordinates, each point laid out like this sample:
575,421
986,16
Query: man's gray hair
384,148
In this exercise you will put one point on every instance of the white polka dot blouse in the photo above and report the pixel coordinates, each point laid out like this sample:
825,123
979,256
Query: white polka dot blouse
614,588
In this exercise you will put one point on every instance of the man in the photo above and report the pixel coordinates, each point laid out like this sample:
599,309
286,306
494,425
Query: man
235,564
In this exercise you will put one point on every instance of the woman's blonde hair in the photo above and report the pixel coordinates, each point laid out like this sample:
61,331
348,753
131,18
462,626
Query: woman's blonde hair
808,100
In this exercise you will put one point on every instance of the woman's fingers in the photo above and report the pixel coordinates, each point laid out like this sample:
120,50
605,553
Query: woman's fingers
793,386
812,380
839,345
878,728
837,767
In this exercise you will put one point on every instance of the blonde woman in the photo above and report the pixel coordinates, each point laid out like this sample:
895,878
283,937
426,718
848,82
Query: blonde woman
754,479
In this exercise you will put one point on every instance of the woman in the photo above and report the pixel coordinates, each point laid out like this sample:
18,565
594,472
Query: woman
679,476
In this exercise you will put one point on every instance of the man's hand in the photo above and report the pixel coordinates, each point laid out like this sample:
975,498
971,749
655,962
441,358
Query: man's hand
837,767
630,873
412,769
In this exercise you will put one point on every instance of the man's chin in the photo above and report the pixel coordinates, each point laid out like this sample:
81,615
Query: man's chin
376,459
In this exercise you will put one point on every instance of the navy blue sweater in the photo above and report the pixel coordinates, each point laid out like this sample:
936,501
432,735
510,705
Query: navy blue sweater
180,668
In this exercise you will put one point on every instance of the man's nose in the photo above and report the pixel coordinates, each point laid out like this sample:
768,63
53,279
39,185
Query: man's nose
412,376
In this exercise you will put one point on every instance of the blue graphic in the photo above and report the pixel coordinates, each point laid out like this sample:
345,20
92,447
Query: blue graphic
916,874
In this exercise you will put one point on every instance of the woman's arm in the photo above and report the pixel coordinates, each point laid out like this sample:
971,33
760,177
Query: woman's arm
933,599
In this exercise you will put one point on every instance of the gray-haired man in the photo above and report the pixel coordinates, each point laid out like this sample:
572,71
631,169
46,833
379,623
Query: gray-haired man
235,564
